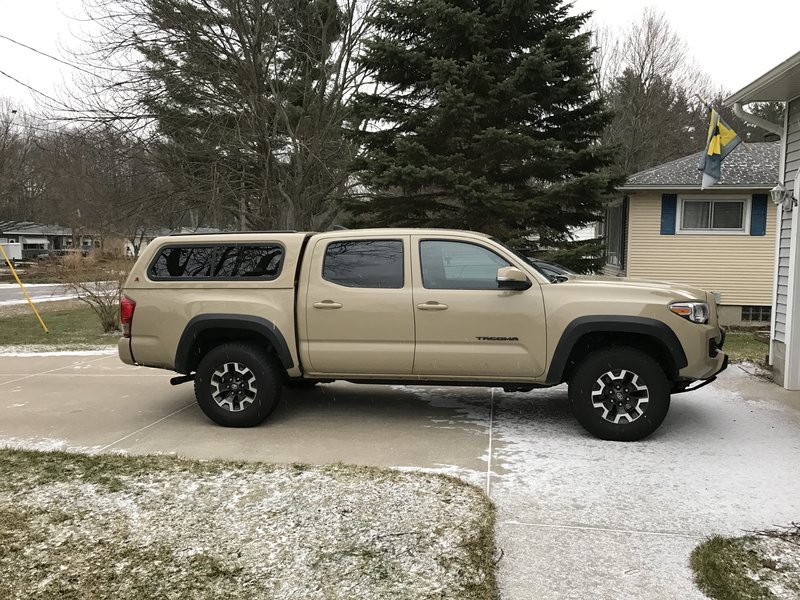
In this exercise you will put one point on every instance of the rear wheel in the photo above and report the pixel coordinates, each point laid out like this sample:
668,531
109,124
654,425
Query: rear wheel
619,394
237,385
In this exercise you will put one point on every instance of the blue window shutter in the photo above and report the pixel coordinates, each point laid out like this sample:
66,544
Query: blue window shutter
758,215
669,209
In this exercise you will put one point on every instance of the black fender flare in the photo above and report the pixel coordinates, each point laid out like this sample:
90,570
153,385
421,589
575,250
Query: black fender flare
258,325
652,328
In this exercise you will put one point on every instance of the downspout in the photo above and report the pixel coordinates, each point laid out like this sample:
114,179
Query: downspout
758,121
779,131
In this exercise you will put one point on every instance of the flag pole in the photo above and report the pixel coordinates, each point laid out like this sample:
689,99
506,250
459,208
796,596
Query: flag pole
705,103
22,287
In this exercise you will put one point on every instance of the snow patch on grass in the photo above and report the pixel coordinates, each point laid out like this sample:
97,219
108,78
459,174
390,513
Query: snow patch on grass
41,444
36,350
476,478
134,527
780,565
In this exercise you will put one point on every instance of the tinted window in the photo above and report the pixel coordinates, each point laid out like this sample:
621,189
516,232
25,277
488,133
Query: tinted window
458,266
184,262
365,263
218,262
249,261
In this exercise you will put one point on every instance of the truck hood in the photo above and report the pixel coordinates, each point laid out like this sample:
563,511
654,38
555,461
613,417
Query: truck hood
679,290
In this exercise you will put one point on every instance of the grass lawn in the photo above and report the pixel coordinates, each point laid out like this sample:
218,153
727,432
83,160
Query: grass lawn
70,328
745,346
104,526
765,565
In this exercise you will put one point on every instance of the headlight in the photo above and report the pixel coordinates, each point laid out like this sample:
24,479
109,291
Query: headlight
696,312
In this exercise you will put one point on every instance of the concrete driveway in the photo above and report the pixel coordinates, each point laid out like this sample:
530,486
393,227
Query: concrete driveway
578,517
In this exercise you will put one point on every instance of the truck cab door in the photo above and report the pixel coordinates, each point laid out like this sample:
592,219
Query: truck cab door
357,315
466,326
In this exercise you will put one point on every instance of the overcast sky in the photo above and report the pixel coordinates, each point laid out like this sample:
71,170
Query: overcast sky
734,41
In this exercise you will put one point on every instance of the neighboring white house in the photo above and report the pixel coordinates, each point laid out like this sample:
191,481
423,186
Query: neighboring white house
37,239
782,84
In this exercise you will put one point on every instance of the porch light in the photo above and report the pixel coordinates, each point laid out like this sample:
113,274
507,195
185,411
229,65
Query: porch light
781,196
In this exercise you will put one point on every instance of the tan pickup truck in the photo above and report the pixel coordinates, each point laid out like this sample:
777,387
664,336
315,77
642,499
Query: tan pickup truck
245,314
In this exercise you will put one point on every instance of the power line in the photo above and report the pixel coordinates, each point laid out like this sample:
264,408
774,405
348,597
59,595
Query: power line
66,107
33,89
50,56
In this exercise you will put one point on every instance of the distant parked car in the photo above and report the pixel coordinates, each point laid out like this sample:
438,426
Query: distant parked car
552,271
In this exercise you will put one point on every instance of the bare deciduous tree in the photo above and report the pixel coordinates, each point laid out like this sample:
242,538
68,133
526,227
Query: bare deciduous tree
243,102
656,93
20,182
649,81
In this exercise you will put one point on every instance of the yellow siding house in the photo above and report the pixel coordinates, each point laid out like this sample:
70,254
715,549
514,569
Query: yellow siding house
663,226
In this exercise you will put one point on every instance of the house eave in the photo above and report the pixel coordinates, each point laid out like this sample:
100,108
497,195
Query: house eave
780,84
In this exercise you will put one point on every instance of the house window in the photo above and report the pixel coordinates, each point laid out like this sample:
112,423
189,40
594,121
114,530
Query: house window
757,313
724,215
615,234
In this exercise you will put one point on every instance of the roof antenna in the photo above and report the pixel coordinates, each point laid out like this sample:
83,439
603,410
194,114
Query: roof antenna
336,227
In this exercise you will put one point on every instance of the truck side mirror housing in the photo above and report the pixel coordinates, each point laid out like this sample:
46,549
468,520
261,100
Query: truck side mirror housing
511,278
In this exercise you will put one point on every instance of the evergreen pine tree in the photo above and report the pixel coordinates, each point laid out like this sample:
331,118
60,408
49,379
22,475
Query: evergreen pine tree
483,117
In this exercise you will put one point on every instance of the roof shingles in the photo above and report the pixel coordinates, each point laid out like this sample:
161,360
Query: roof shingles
749,165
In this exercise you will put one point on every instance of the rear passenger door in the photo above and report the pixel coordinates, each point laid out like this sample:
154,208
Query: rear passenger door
358,307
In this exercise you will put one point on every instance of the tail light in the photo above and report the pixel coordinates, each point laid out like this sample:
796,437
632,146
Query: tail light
126,308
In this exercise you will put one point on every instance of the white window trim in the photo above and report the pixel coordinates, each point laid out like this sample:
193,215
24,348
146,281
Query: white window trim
745,230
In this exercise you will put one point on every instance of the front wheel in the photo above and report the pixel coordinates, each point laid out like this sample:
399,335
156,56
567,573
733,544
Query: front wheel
619,394
237,385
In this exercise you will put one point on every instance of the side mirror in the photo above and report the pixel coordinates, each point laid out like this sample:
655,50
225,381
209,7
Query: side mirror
511,278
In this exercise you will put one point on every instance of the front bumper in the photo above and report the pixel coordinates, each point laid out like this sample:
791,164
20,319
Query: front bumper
691,386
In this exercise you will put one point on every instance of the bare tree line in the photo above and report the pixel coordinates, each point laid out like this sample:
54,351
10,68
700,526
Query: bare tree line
658,94
93,180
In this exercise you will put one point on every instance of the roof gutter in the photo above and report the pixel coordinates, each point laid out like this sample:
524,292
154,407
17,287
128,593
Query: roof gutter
719,187
758,121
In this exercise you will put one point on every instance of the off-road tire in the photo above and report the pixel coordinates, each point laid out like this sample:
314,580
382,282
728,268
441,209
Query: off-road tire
595,387
251,371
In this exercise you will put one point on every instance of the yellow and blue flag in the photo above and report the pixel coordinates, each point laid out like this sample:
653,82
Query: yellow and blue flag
720,142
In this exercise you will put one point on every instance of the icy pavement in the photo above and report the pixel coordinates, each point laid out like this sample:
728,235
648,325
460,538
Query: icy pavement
580,517
11,294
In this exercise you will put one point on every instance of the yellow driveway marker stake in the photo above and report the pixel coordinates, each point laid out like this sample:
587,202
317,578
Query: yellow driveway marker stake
22,287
